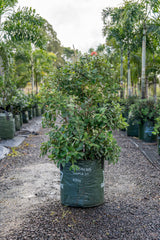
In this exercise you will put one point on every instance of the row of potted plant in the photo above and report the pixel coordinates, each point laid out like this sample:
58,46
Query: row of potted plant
143,118
20,109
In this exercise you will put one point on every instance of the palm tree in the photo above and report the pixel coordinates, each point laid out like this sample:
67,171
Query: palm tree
121,27
150,9
5,6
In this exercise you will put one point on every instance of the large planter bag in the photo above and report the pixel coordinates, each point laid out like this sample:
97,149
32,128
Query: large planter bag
43,110
21,118
7,126
145,132
30,113
25,117
132,129
34,111
17,122
85,187
38,111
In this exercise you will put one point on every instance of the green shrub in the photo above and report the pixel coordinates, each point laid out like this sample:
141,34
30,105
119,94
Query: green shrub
85,97
143,110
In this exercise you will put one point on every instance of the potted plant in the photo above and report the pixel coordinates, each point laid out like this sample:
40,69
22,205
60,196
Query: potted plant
132,128
156,132
7,122
83,96
16,108
7,125
144,112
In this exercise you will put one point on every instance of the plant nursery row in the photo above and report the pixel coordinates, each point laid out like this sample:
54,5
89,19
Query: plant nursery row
143,118
17,112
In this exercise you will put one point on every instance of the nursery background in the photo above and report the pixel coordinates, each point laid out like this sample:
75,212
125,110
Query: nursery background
91,106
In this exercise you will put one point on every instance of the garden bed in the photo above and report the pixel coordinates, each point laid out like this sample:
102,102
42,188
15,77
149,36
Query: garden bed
31,209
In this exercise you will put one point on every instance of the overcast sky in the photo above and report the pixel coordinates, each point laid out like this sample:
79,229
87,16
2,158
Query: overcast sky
77,22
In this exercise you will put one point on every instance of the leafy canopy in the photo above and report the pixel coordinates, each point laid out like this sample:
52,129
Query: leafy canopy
83,96
25,25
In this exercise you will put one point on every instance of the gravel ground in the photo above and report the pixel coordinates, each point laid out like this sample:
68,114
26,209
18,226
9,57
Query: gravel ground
31,209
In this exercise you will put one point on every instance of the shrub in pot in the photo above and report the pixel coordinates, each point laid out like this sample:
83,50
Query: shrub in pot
19,106
30,113
36,105
144,112
38,111
83,96
15,106
156,131
126,103
132,128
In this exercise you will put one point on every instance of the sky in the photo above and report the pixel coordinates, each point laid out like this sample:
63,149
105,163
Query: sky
77,23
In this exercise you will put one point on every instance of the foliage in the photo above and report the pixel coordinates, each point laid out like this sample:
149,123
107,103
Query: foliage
43,63
126,103
125,28
5,5
25,25
53,44
143,110
7,83
157,120
19,102
157,126
83,96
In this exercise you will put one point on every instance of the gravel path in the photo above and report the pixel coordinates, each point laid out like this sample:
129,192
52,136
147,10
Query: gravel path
30,206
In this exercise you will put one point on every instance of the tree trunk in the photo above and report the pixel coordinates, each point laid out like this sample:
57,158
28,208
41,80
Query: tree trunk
121,76
155,88
36,85
1,60
146,91
143,73
129,75
32,73
154,83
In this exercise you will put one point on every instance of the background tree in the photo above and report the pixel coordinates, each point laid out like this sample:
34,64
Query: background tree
151,14
54,44
114,34
26,26
5,6
43,65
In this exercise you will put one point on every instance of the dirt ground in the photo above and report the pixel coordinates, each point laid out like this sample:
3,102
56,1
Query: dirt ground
30,205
